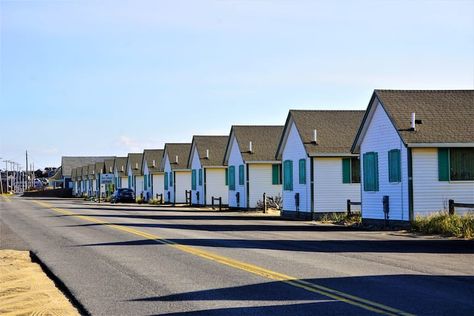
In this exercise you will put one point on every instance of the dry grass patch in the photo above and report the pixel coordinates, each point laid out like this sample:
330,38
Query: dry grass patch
461,226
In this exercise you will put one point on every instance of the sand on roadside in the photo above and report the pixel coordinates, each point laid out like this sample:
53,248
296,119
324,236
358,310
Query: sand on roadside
26,290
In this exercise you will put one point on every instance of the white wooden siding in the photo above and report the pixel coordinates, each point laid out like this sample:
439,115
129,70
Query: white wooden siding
294,150
431,195
158,181
139,183
381,137
235,159
196,165
330,194
260,181
170,190
215,185
182,183
124,181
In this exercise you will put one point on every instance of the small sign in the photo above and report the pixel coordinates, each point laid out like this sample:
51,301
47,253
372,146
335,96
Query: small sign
106,178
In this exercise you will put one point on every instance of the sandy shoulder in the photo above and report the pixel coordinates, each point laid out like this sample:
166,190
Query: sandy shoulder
26,290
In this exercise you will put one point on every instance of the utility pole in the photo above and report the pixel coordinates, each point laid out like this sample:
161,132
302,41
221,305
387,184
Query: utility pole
26,166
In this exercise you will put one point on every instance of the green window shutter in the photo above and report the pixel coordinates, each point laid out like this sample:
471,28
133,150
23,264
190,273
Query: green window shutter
443,164
394,172
302,171
129,182
171,178
376,171
371,171
275,174
193,180
232,178
288,175
241,175
200,176
145,182
227,176
166,180
346,170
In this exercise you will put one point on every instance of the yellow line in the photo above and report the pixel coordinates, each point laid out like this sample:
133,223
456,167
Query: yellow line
311,287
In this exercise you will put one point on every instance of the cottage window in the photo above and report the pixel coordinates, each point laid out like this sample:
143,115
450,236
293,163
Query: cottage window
193,180
456,164
241,175
351,170
288,175
200,176
371,171
166,180
145,182
394,166
171,178
232,178
276,174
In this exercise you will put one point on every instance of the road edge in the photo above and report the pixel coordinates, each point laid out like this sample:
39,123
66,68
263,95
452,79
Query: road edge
60,285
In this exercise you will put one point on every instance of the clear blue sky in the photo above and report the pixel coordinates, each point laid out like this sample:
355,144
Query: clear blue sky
112,77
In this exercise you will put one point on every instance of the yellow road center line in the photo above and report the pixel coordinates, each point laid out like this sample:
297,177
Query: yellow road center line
268,274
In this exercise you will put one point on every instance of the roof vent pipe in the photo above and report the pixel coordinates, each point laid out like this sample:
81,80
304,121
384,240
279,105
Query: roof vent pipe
207,153
154,163
413,121
315,136
122,169
136,165
250,147
177,159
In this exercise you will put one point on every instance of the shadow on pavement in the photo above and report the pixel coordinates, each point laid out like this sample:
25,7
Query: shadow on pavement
329,246
417,294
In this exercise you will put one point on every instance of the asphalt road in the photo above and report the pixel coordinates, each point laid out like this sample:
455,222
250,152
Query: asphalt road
134,260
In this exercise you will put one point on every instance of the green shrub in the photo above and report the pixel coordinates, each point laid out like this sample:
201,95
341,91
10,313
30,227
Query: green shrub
442,223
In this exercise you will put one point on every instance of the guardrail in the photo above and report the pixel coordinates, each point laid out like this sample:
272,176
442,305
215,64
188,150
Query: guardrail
453,205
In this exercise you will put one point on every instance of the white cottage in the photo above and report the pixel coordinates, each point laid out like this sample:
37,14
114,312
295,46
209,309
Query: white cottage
152,173
177,175
417,152
120,173
208,173
252,167
75,181
85,180
134,172
319,172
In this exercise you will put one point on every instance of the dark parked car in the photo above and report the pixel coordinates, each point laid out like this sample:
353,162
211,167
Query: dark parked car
123,195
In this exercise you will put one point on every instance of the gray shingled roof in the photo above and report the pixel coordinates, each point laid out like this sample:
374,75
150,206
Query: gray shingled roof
216,146
447,115
134,160
91,170
85,172
335,130
99,168
67,163
73,174
178,149
153,154
120,162
109,165
264,140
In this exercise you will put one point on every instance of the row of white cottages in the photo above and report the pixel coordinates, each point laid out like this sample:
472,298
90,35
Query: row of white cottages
414,149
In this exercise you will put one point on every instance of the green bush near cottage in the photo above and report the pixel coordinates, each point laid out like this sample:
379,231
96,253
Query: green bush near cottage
461,226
